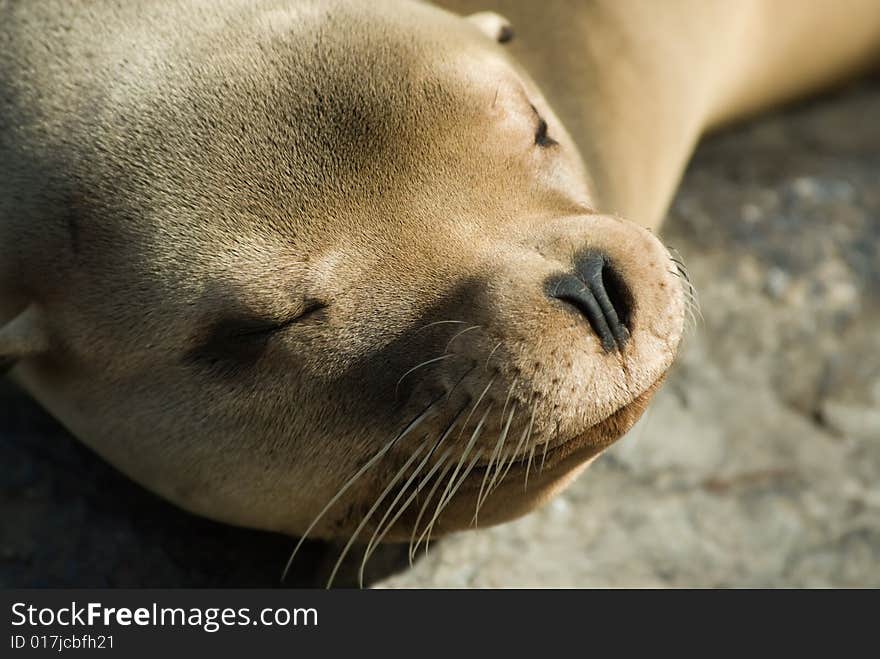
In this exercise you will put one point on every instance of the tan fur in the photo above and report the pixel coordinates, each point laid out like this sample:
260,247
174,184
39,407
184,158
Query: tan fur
637,82
175,175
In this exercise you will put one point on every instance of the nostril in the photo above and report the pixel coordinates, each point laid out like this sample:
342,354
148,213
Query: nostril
601,295
610,288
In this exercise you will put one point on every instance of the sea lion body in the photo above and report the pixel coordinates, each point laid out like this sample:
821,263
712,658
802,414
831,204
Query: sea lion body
637,83
332,268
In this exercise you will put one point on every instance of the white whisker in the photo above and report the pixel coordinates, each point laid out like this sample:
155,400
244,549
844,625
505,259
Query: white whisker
529,467
378,537
546,446
360,472
464,331
415,368
457,463
413,545
370,512
509,393
523,439
489,358
454,484
468,449
416,472
496,454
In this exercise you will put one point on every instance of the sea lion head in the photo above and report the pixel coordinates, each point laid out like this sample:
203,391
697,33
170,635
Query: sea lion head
332,268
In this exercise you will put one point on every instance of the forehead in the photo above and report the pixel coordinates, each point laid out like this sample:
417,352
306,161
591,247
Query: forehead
297,121
319,105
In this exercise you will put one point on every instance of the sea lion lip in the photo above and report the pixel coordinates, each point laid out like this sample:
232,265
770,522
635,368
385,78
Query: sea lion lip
582,444
511,496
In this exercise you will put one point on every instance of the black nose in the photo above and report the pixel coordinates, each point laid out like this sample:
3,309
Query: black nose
599,293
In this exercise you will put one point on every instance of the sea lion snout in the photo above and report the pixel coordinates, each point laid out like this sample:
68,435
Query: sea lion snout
547,358
556,353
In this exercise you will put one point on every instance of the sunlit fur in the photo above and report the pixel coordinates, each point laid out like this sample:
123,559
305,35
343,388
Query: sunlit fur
284,262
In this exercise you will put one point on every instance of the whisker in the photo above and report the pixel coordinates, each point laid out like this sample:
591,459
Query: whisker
695,304
415,368
464,331
499,466
546,446
677,259
496,453
475,406
693,309
413,545
691,303
523,439
488,359
370,512
544,456
529,467
360,472
683,275
468,449
509,392
460,380
446,497
437,444
415,539
457,464
376,540
442,506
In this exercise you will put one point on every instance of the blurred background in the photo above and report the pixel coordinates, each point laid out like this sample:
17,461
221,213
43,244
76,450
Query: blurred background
758,464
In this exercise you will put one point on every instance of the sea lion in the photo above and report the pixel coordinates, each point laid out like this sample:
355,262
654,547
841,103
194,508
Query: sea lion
337,268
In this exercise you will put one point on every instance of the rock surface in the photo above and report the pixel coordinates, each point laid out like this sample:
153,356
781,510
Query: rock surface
757,465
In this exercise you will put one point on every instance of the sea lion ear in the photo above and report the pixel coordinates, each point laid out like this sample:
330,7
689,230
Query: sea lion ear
22,336
493,25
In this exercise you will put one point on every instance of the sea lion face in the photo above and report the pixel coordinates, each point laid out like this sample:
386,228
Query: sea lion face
344,262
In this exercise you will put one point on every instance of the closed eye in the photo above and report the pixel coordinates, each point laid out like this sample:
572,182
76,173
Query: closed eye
232,343
256,328
542,138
